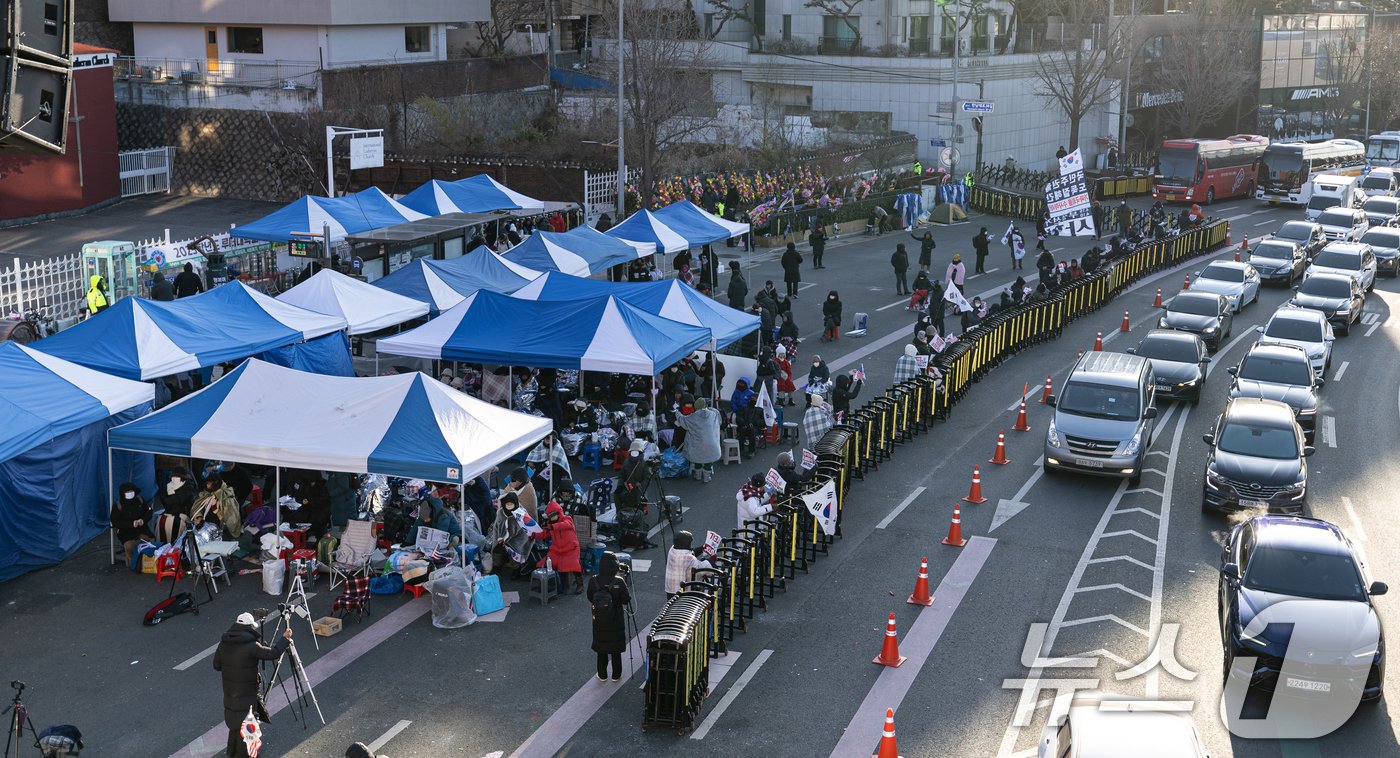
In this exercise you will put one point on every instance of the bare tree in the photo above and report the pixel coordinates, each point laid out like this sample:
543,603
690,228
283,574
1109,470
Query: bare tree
1382,61
1076,79
726,11
494,33
846,10
1200,65
668,90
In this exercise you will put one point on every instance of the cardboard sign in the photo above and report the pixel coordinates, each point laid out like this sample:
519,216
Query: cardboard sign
809,459
775,481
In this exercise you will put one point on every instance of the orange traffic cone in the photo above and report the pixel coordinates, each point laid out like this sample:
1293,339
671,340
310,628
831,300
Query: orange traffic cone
1243,248
1048,390
1021,425
1227,234
974,494
921,596
1187,284
889,652
888,747
1158,302
954,537
1127,327
1098,343
1000,457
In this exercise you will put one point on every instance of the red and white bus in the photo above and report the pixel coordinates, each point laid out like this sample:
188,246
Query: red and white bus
1206,170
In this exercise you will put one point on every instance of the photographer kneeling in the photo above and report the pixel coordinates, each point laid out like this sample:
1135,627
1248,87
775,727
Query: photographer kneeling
240,650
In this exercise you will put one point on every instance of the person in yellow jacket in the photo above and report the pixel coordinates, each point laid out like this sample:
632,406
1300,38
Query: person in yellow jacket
97,299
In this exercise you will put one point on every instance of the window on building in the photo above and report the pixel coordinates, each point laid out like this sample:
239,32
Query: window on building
245,39
760,18
787,26
709,24
837,33
418,39
918,34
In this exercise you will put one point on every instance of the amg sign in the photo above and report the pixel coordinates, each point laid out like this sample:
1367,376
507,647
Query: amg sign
1315,93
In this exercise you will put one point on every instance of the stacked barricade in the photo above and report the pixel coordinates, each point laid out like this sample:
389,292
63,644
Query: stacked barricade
759,559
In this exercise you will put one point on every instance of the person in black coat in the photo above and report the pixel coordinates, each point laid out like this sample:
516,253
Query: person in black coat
161,288
237,658
187,282
609,629
926,246
936,307
1045,264
817,239
315,499
792,269
831,317
842,393
981,244
899,261
738,287
131,518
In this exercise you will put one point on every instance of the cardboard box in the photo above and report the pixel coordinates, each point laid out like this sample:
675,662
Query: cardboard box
326,626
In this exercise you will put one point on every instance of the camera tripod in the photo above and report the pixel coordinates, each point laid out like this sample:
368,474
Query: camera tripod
300,683
296,598
630,629
189,546
19,719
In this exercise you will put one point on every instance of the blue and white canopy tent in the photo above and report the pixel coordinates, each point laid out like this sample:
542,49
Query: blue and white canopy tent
594,334
581,251
147,339
644,227
475,194
407,425
671,298
365,307
697,225
54,496
351,214
443,284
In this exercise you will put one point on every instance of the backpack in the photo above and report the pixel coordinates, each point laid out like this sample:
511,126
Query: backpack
604,605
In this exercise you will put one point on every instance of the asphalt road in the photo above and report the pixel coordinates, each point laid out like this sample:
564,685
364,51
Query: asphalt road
1108,568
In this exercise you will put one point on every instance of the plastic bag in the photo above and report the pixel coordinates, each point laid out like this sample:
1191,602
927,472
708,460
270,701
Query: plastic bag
272,575
673,464
451,590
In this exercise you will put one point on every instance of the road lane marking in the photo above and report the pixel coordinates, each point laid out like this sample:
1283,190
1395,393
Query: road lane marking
1373,329
889,690
1342,369
655,530
1329,430
731,695
901,301
805,285
899,508
1007,509
205,653
1357,530
389,735
1236,217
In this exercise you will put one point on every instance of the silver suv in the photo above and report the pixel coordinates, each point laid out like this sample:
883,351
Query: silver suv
1104,417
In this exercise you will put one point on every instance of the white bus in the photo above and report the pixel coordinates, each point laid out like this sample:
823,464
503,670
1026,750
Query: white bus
1383,149
1287,168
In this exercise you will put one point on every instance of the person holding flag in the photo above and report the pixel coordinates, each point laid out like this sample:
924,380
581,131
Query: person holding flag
509,538
846,389
681,563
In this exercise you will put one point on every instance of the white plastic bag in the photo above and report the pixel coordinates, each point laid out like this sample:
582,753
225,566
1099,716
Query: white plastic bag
451,590
272,574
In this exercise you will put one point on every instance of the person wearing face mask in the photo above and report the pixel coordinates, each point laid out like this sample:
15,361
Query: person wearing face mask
563,547
818,377
131,518
831,317
215,504
509,540
176,498
315,499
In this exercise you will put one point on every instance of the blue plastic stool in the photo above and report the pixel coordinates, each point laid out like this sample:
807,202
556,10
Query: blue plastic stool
591,456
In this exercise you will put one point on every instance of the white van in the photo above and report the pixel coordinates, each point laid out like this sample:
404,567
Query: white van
1334,190
1380,181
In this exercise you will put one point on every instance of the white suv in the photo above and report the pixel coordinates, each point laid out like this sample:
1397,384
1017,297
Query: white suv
1346,224
1354,259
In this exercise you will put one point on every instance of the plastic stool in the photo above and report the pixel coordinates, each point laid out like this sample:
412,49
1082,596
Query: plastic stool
591,456
789,432
170,565
729,451
544,584
416,590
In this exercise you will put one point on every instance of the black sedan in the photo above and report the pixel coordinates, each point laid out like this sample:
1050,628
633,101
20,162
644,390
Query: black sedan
1273,559
1204,313
1339,298
1283,373
1278,261
1256,460
1178,363
1306,234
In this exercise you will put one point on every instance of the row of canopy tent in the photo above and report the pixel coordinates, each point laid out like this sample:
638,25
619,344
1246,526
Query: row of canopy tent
559,321
404,426
53,489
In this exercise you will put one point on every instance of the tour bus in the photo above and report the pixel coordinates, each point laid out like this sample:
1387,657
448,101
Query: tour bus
1383,149
1206,170
1287,169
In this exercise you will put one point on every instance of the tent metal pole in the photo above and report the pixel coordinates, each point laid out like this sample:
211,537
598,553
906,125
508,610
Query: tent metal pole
510,387
111,537
277,504
714,374
549,495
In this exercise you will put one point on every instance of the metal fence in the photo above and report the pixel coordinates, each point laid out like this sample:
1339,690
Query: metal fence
52,289
600,192
276,74
146,171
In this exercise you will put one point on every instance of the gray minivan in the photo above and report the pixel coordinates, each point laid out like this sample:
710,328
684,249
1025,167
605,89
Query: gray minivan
1104,417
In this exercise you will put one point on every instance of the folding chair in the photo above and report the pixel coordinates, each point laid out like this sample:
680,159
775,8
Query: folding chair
355,598
352,557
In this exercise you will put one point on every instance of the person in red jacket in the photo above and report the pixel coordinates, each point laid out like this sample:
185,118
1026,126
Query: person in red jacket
563,546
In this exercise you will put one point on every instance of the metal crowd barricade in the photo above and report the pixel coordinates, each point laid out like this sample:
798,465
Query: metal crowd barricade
712,582
678,661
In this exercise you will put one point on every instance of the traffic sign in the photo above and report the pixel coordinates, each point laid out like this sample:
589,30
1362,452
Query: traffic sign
938,143
977,106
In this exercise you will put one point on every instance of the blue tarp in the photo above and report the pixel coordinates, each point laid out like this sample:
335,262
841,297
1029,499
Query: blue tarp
53,467
475,194
672,299
443,284
581,251
595,334
146,339
352,214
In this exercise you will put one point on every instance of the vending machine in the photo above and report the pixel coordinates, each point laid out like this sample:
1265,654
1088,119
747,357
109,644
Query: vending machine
114,261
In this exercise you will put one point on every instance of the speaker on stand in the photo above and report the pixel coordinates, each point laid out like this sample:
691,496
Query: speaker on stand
36,74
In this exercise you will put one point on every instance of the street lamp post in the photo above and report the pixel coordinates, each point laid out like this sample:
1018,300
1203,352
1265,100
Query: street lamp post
621,120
